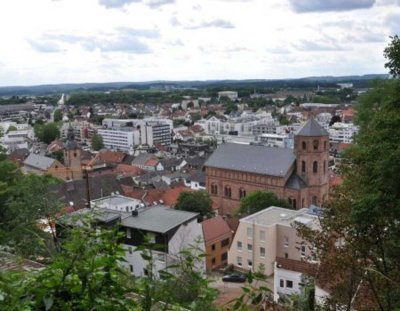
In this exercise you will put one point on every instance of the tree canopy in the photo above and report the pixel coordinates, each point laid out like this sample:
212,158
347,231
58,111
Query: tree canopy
197,202
57,115
259,200
97,142
47,132
359,240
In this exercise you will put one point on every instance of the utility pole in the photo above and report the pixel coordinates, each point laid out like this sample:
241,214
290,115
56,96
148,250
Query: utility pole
85,173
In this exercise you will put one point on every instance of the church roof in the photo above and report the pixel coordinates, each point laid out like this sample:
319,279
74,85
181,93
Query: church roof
253,159
312,128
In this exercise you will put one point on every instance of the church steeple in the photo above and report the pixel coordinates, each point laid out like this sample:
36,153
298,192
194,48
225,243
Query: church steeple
71,144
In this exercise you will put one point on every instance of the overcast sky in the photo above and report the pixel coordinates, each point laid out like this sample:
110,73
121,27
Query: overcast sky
58,41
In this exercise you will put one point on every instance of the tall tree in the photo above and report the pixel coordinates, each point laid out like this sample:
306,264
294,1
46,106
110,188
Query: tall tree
392,54
97,142
197,202
57,115
359,240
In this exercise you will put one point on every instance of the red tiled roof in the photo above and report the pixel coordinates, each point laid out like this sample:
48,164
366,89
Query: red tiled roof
130,170
152,162
215,228
170,196
111,156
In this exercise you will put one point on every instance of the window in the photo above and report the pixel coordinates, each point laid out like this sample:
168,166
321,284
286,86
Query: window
249,233
213,261
250,263
325,145
315,144
289,284
145,271
303,166
304,145
131,268
224,257
262,251
262,235
315,167
286,241
214,189
239,261
294,204
242,193
286,255
249,247
228,191
239,245
281,283
314,200
225,242
129,233
324,166
303,250
213,247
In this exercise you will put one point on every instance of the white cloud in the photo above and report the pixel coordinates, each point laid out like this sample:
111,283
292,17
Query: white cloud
136,40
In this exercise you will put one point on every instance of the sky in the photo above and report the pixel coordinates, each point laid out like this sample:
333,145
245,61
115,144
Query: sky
74,41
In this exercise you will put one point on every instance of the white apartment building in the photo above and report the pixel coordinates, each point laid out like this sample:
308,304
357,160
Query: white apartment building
123,139
342,132
263,237
232,95
151,130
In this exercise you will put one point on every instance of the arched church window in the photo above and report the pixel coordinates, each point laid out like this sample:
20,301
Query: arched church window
304,145
315,167
303,166
315,144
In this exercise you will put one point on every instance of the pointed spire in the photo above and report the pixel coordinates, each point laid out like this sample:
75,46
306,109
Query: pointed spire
312,128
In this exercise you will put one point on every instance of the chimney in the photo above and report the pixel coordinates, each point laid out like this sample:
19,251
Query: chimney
135,213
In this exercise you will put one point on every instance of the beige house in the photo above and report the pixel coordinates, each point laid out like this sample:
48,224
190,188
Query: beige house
268,235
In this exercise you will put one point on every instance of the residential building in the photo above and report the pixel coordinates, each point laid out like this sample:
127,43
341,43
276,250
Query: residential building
155,133
40,165
232,95
299,175
268,235
148,162
117,202
217,239
120,138
342,132
170,229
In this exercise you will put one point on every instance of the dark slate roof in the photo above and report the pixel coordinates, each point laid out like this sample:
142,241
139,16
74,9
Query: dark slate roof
159,219
101,215
142,158
295,182
75,191
38,161
253,159
170,163
198,176
312,128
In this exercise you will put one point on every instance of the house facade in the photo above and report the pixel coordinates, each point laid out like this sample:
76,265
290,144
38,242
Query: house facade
299,175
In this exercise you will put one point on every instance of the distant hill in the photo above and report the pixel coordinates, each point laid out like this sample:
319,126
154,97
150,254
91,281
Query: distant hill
47,89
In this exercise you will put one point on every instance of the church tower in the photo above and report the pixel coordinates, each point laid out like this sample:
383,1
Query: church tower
72,156
311,146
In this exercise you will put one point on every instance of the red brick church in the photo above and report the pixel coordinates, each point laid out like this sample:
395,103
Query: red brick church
299,175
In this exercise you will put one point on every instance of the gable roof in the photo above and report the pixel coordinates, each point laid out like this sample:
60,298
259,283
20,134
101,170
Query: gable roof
295,182
312,128
142,158
75,191
111,157
158,219
39,162
253,159
215,228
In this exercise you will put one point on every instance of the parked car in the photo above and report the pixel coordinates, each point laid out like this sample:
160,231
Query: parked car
234,277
